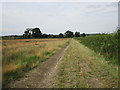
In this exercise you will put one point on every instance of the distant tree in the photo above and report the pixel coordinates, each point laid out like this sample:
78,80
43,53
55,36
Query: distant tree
83,35
44,35
77,34
27,34
36,33
48,35
69,34
61,35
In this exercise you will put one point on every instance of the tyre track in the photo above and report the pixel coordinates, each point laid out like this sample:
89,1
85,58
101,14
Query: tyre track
41,76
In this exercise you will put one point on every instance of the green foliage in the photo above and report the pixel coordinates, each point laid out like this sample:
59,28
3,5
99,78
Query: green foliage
106,45
36,33
61,35
83,35
32,33
27,65
69,34
77,34
11,76
48,53
27,33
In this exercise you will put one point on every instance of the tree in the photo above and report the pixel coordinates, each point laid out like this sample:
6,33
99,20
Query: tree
77,34
83,35
69,34
27,34
36,33
61,35
44,35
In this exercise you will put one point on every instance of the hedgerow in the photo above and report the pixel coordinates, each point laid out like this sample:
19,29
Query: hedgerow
104,44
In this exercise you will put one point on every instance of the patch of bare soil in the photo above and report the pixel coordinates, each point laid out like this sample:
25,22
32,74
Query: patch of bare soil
42,76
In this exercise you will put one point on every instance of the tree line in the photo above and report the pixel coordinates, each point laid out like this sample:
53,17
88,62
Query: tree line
36,33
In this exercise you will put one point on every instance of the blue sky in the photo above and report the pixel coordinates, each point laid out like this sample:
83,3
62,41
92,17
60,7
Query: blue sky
57,17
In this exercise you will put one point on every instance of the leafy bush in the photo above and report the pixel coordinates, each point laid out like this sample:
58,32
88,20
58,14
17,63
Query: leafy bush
105,44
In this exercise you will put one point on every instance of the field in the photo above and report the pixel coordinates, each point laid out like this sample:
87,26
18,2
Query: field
60,63
20,56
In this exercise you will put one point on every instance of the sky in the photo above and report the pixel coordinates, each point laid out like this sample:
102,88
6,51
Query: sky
58,17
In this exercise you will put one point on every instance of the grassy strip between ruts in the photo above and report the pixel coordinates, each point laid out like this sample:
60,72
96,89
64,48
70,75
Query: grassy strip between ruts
83,68
20,57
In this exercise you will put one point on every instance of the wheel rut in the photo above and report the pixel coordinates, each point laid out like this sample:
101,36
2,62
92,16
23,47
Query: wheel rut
42,76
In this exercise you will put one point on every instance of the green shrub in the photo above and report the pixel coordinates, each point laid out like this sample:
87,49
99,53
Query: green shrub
105,44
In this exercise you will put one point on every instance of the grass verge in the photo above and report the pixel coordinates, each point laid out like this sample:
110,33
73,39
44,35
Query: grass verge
83,68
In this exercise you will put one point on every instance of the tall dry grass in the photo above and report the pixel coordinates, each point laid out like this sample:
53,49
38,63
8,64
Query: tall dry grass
19,56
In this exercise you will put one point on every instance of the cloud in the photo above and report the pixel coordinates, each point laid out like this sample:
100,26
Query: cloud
59,0
0,19
58,17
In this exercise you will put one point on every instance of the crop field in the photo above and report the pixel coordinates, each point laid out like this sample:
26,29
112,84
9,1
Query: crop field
21,55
